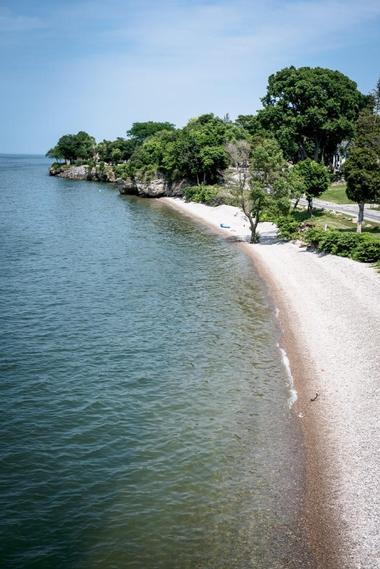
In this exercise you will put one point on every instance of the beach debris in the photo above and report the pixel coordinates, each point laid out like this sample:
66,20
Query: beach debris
316,397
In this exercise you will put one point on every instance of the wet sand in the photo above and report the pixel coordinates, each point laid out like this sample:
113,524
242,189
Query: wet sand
329,310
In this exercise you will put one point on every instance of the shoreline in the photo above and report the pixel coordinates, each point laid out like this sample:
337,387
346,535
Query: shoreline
334,354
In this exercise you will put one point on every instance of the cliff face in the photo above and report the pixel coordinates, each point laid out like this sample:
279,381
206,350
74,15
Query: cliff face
154,188
84,172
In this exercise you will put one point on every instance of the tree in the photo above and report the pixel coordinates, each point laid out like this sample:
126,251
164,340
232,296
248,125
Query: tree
297,186
374,99
266,186
269,189
80,146
239,152
362,174
114,151
54,153
154,156
251,124
195,153
140,131
362,167
315,177
199,152
310,111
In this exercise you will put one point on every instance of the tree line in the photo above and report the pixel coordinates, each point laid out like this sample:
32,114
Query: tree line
283,151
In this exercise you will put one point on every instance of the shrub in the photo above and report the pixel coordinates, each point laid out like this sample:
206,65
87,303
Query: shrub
355,245
201,194
288,227
368,250
59,166
122,171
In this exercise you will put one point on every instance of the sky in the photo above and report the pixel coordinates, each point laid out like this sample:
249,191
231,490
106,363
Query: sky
100,65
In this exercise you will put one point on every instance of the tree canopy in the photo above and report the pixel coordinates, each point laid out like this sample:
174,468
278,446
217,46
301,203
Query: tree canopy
362,167
114,151
74,147
265,188
310,111
315,178
196,152
140,131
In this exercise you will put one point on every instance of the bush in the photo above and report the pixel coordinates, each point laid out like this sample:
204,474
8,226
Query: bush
122,171
201,194
355,245
59,166
368,250
288,228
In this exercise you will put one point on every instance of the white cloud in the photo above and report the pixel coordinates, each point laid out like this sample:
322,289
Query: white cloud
118,62
206,55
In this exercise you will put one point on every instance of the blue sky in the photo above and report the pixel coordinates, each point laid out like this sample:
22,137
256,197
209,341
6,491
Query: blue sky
99,65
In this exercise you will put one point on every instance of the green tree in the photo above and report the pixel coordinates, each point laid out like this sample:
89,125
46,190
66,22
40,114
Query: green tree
239,152
140,131
266,186
269,189
251,124
54,153
315,177
113,151
80,146
199,152
362,167
195,152
297,186
310,111
154,156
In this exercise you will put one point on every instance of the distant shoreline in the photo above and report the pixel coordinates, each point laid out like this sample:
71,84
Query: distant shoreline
334,358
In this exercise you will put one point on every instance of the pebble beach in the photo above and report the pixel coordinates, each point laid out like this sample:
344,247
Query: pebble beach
329,312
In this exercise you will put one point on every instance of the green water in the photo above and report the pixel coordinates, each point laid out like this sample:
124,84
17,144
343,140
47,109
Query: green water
144,404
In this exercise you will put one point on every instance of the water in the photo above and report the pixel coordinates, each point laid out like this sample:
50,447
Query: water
143,400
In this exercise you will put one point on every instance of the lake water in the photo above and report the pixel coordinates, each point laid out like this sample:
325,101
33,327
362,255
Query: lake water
144,404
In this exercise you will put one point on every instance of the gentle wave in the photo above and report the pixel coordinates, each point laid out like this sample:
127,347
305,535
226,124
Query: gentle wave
143,397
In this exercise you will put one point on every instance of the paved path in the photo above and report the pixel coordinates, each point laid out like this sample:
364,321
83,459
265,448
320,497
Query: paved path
348,209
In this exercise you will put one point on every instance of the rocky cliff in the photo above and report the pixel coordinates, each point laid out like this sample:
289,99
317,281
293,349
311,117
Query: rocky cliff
153,188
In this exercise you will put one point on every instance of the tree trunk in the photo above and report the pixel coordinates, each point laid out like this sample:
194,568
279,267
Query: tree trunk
310,205
296,203
360,217
316,150
253,223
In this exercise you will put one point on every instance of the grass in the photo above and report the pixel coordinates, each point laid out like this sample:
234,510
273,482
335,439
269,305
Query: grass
335,221
336,193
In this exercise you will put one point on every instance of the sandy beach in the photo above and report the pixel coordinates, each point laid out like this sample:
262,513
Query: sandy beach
329,311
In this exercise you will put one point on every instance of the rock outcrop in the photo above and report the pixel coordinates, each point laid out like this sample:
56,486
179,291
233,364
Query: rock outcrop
99,173
154,188
71,172
151,188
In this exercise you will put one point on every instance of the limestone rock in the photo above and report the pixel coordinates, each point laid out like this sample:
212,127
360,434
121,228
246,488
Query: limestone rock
71,172
151,188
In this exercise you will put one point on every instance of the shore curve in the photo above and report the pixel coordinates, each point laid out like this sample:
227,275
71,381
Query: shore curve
329,312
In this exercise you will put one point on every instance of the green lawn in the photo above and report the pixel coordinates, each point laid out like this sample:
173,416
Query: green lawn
335,221
336,193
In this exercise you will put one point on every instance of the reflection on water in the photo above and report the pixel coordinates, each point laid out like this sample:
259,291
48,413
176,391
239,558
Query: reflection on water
143,398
